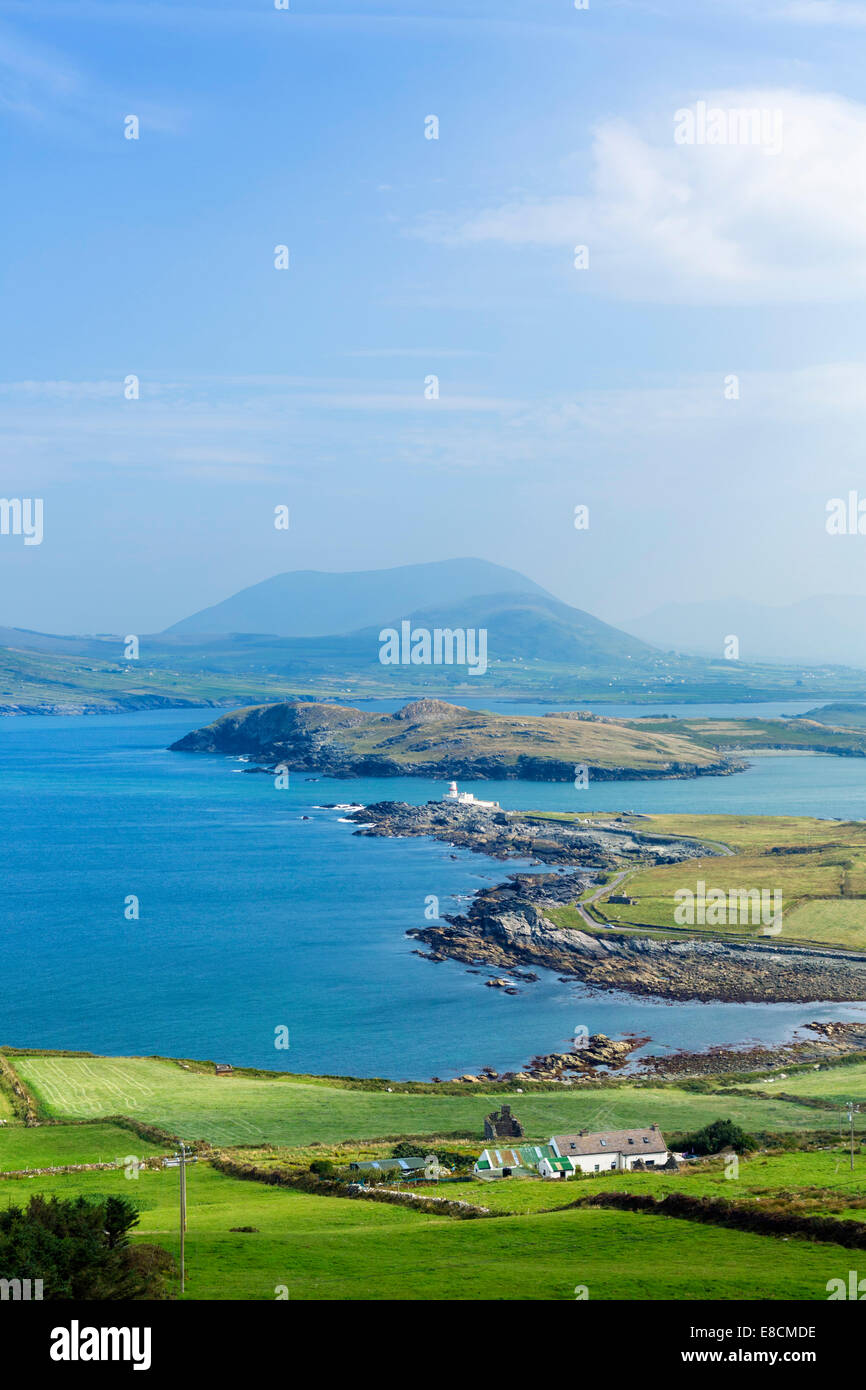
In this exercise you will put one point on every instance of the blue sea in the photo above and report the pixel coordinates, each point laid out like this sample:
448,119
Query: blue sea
254,919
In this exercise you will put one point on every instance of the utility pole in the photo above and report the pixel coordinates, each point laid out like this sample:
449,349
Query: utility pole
180,1161
851,1109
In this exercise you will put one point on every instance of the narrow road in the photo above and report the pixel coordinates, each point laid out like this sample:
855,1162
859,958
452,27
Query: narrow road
599,893
618,878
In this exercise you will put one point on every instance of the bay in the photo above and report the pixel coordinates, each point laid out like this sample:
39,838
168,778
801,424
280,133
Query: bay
253,918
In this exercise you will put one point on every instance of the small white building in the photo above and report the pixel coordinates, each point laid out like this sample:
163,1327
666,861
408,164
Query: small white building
467,799
617,1149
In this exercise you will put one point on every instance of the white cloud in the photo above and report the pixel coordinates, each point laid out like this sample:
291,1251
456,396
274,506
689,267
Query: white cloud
703,223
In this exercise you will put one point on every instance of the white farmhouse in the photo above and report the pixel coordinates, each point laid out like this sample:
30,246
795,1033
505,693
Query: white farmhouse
617,1149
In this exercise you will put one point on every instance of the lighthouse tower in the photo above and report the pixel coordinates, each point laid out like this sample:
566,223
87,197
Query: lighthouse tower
467,799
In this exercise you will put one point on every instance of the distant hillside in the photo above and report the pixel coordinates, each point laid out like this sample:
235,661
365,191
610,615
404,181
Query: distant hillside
433,738
805,734
314,603
839,716
536,627
828,630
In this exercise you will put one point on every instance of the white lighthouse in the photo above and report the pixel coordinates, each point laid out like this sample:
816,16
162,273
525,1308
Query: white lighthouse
467,799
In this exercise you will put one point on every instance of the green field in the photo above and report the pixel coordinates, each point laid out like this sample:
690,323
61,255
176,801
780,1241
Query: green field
535,1245
53,1146
837,1084
819,867
334,1249
787,1177
238,1110
747,734
840,920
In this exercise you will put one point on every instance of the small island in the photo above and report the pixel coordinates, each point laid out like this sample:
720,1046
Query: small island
431,738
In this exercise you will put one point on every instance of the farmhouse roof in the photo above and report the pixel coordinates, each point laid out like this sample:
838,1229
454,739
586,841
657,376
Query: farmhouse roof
526,1156
387,1165
624,1141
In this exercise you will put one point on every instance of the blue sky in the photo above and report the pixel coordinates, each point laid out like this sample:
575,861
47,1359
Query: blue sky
412,257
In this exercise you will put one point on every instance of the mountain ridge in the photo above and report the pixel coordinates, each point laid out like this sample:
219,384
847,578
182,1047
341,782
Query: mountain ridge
324,603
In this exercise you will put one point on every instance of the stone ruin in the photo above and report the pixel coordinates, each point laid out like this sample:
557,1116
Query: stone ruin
501,1124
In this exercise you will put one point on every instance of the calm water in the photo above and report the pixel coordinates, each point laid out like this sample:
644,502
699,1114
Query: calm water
252,918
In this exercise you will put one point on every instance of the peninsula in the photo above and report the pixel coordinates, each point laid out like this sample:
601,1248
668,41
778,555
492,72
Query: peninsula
606,913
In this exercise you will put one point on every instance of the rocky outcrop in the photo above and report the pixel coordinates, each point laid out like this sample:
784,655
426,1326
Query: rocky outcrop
595,1051
509,834
518,933
509,925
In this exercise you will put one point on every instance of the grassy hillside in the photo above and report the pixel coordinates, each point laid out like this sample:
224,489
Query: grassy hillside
280,1110
248,1240
41,681
840,716
310,1247
38,672
323,1248
818,866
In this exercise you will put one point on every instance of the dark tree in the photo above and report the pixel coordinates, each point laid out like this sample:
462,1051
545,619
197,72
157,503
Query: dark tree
80,1249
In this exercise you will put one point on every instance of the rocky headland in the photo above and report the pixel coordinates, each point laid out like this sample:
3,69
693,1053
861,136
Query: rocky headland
513,924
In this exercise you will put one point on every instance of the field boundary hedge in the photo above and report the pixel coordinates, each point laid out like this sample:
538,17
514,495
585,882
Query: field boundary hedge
24,1104
326,1187
71,1168
739,1216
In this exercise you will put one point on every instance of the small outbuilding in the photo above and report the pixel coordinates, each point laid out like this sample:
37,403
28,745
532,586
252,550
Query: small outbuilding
520,1161
428,1168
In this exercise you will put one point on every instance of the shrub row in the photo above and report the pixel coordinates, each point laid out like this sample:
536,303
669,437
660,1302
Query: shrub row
327,1187
739,1216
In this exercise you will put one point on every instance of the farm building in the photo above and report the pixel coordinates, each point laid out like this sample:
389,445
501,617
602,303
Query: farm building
520,1161
619,1149
567,1154
428,1167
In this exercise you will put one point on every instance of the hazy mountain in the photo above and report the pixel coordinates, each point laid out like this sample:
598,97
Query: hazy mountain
825,630
315,603
535,626
520,627
23,639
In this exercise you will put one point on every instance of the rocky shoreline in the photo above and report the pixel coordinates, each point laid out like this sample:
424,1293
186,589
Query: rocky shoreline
595,1057
834,1040
508,926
